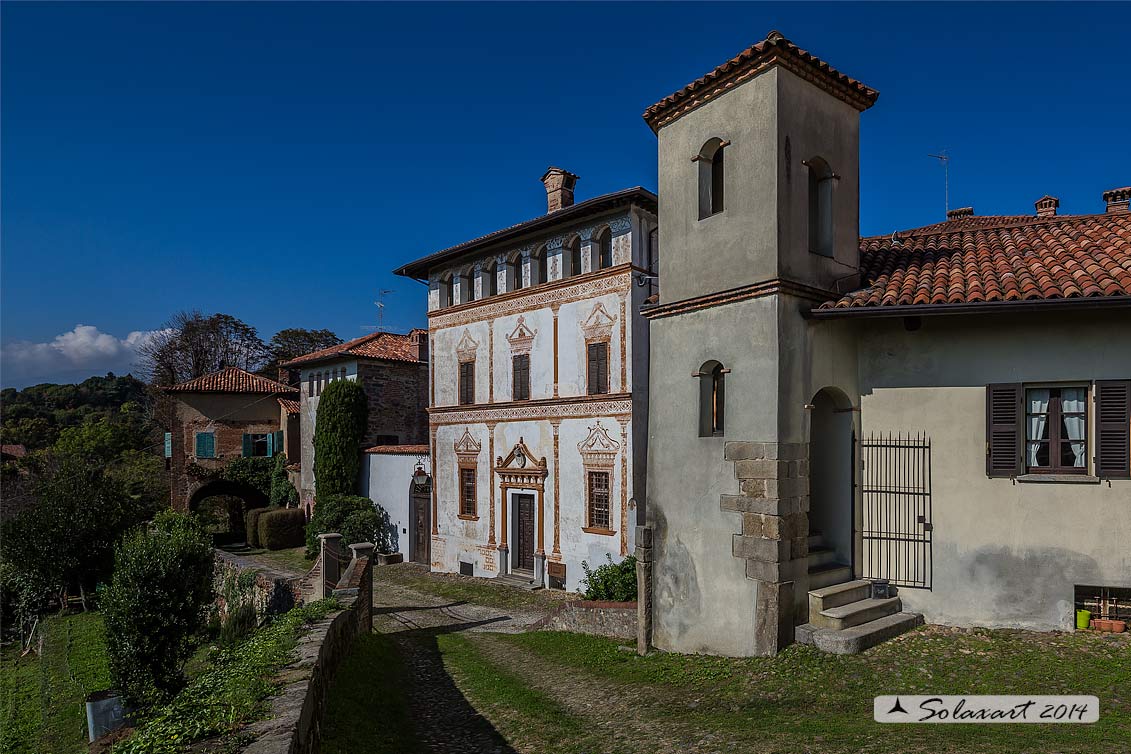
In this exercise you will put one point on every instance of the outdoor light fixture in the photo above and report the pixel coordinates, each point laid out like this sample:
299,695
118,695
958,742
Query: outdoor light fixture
419,476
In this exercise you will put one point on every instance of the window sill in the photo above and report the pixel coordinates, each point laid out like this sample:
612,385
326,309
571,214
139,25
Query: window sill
595,530
1063,478
462,517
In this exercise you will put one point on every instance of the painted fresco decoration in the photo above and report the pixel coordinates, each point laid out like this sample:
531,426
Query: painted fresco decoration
521,338
467,446
467,346
599,324
598,449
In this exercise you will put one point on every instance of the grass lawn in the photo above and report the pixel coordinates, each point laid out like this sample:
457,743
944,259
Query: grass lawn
467,588
42,697
367,710
551,691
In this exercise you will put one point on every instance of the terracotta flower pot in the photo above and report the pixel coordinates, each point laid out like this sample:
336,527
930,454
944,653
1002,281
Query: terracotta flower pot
1103,624
1094,624
1118,626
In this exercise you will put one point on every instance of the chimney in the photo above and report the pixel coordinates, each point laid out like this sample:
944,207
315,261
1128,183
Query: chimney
419,339
1046,206
960,212
1117,200
559,188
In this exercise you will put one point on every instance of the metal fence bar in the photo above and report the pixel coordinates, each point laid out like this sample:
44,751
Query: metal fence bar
897,503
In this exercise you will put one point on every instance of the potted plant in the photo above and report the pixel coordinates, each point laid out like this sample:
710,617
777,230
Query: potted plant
1118,626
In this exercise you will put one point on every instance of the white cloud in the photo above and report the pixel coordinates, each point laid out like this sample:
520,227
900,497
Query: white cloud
71,356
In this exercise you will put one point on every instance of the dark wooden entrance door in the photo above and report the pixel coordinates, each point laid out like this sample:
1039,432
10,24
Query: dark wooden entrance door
421,542
524,532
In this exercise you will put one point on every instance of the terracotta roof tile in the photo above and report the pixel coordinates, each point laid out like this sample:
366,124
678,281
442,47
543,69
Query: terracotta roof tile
389,346
290,406
774,49
399,450
14,451
231,380
974,259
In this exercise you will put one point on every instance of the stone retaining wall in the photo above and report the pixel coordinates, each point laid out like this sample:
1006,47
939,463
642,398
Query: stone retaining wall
615,620
235,581
295,723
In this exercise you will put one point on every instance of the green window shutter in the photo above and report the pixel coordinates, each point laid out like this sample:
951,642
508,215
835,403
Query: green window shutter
168,444
279,442
247,446
205,445
270,444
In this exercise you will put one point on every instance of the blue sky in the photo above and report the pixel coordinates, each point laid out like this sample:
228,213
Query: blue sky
276,161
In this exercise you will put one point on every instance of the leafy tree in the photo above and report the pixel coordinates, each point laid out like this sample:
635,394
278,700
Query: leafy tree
334,513
192,344
611,581
283,493
292,342
155,604
254,472
371,525
343,415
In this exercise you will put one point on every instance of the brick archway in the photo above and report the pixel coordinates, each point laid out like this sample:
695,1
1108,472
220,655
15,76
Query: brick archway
251,497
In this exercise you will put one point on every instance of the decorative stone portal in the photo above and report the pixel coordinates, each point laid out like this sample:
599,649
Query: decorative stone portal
521,471
774,505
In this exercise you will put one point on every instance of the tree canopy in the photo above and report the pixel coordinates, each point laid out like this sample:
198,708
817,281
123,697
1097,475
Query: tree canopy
343,415
292,342
192,344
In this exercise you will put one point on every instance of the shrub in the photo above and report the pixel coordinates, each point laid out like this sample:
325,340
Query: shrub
254,472
154,605
333,512
343,415
241,622
251,525
281,528
283,493
611,581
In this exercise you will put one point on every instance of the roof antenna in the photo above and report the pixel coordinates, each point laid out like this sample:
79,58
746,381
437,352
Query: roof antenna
944,158
380,302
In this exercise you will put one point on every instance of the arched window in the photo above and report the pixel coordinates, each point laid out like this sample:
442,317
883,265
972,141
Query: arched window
446,292
711,183
571,254
821,182
540,261
712,399
318,383
604,249
516,272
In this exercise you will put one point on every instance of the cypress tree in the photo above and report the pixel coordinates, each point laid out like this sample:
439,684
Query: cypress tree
343,416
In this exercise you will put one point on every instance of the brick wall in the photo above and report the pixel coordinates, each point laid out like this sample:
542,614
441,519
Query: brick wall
398,400
616,620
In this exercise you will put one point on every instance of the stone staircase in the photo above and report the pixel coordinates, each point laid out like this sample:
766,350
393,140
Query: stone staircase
843,616
519,580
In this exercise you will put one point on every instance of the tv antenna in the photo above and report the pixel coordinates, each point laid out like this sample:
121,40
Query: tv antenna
944,158
380,302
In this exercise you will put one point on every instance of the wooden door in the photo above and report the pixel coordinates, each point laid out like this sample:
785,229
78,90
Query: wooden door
421,542
524,532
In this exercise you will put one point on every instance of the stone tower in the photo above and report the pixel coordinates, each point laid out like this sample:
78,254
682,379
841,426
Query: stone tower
758,178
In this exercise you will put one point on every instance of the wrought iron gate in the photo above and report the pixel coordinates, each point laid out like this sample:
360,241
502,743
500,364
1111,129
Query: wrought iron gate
896,500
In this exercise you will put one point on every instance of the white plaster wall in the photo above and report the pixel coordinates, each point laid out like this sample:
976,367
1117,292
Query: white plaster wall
387,481
445,361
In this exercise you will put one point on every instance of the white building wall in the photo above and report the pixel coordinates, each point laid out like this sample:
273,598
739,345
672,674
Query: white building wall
387,479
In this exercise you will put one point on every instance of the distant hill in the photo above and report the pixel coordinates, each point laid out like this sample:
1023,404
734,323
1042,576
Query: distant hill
35,416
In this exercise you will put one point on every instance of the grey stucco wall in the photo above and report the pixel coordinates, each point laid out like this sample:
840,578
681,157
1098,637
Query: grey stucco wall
1005,553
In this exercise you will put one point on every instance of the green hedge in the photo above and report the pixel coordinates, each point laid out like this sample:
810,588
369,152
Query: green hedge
251,526
282,528
343,415
611,581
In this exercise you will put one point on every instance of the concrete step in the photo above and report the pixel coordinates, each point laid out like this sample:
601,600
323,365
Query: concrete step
816,540
519,581
855,613
828,575
856,639
838,594
821,556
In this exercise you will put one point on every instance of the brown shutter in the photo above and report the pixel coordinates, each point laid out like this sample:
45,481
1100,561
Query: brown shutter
592,368
602,367
1004,429
1113,429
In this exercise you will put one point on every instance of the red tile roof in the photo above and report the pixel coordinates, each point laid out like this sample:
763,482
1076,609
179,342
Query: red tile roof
773,50
389,346
231,380
973,260
13,451
399,450
288,405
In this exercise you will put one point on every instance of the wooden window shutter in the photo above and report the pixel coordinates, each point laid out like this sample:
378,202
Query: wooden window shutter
205,445
1113,429
278,442
1004,429
248,446
591,368
270,444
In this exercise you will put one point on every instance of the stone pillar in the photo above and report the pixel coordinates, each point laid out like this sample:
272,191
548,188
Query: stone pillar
588,255
644,561
331,561
540,568
774,504
362,550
